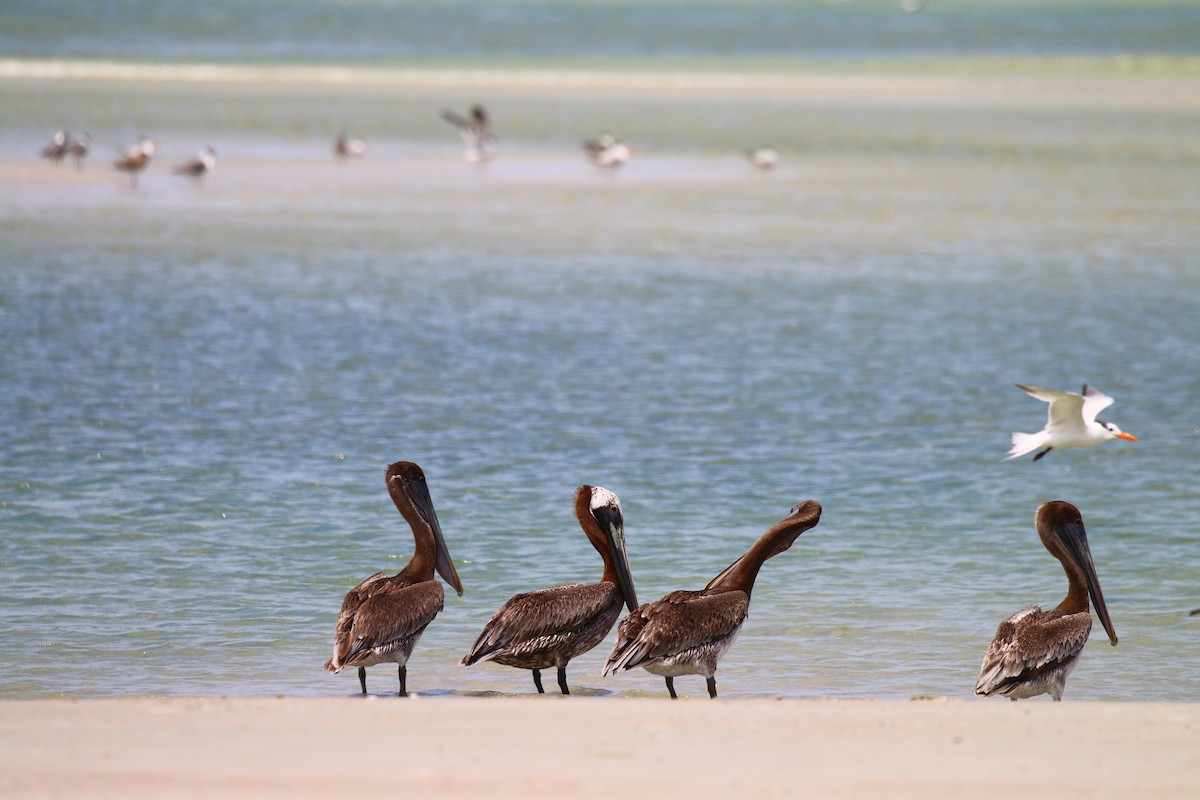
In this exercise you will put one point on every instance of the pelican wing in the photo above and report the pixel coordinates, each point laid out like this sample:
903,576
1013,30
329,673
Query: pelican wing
679,621
539,620
387,613
1027,644
1094,401
1066,409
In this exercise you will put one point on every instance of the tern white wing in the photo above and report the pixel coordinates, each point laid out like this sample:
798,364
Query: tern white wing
1066,409
1094,401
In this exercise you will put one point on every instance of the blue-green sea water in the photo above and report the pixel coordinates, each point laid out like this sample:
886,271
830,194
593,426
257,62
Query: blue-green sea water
202,383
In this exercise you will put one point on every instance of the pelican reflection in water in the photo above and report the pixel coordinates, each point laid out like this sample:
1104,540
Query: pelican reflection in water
1034,651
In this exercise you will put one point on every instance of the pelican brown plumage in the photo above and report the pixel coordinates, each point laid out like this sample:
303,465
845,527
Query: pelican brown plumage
687,632
382,618
1034,651
548,627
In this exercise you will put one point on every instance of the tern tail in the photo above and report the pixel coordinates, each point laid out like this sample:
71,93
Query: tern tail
1023,443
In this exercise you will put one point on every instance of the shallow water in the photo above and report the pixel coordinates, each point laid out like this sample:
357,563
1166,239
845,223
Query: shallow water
203,383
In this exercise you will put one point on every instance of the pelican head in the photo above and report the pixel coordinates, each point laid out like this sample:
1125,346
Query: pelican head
1060,526
605,508
741,573
406,484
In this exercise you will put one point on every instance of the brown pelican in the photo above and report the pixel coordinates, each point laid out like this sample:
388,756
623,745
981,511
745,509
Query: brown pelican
204,163
686,633
78,149
136,158
1034,651
549,627
476,133
1072,422
382,618
344,147
57,147
607,151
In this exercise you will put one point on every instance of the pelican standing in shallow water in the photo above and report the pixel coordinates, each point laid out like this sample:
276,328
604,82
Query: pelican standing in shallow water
382,618
548,627
1034,651
1072,422
686,633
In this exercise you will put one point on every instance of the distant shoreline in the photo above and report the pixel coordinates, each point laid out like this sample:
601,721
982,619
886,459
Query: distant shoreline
533,746
734,72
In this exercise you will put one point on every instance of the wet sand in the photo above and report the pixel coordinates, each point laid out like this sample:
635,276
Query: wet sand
596,747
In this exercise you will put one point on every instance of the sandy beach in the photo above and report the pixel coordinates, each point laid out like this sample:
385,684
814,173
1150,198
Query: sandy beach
539,746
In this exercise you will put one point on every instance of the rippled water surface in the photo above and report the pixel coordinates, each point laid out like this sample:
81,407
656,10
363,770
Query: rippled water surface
202,384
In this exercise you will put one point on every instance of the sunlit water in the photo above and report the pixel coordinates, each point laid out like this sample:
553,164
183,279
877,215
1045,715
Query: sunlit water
202,384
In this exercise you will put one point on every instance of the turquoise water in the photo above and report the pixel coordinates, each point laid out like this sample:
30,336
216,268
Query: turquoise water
606,31
203,383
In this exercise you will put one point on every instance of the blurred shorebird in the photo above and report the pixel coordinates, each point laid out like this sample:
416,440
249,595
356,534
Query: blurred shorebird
607,151
204,163
476,133
57,147
1072,422
78,149
345,147
1034,651
136,158
764,158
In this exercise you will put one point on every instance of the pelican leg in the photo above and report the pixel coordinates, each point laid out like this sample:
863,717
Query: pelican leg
562,680
537,681
403,681
362,678
671,687
1039,455
712,687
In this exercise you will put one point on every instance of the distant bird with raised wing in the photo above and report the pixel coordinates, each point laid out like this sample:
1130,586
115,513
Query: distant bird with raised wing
1072,422
476,133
